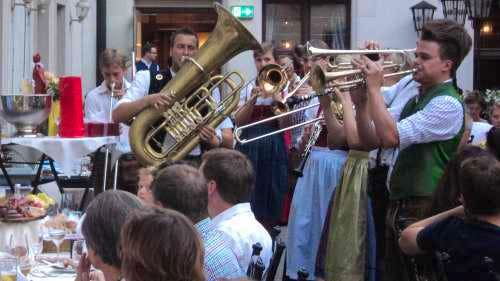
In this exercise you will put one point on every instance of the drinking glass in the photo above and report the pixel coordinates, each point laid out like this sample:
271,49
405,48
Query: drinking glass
8,268
18,246
79,247
36,245
57,237
67,203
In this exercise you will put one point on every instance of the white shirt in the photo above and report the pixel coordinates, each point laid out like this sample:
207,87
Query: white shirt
98,103
478,132
140,89
240,225
147,63
395,98
441,119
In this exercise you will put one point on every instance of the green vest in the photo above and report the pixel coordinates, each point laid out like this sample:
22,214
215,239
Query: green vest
419,167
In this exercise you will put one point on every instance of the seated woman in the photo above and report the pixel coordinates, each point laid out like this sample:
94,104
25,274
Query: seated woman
175,253
101,228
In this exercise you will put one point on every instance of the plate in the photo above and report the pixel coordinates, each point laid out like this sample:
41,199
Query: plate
23,219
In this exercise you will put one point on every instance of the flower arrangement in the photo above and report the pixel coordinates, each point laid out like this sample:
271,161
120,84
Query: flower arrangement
492,96
52,84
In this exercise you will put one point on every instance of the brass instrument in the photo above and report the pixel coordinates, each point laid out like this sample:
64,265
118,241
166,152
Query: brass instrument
157,136
346,80
299,171
271,79
325,83
406,54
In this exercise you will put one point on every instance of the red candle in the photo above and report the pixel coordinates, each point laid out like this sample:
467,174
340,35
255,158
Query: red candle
70,90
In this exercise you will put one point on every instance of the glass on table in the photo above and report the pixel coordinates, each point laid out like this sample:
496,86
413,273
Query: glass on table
79,247
57,237
8,268
68,203
18,246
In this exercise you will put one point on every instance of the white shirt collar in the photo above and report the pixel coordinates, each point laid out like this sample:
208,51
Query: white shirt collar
235,210
103,89
147,63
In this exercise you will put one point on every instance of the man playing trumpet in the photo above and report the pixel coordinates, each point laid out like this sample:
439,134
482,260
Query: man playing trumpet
427,132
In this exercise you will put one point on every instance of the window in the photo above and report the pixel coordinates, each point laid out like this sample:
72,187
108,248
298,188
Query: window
287,23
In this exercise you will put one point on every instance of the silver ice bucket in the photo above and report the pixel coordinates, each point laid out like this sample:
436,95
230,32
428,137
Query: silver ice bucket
25,111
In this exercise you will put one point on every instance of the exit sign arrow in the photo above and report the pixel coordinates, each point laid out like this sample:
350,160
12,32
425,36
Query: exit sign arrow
243,12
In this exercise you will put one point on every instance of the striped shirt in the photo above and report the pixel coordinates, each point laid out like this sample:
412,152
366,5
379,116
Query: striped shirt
220,261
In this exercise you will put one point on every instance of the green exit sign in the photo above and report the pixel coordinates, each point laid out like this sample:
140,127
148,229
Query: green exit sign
243,12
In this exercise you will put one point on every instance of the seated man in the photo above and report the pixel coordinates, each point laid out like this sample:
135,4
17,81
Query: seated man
182,188
471,244
230,180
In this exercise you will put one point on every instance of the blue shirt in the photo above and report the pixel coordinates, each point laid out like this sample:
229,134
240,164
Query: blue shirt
467,244
220,261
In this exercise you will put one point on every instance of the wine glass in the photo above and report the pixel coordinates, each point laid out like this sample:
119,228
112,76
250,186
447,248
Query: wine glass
36,245
57,237
18,246
67,203
79,247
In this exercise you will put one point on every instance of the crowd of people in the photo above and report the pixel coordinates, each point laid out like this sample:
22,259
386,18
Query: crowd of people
402,183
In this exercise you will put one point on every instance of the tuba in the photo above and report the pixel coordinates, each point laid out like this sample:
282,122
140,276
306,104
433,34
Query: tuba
157,136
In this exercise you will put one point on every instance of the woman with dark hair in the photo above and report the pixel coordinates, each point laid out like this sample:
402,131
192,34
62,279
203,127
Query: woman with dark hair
161,245
101,228
493,141
446,196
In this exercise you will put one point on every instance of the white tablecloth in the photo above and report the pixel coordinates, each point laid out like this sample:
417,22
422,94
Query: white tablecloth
63,150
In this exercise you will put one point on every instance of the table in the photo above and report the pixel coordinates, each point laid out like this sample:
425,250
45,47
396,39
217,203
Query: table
62,150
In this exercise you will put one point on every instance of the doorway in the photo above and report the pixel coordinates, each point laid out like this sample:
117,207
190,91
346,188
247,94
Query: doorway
155,25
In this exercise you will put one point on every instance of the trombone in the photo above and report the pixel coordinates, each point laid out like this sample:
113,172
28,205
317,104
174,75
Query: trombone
325,83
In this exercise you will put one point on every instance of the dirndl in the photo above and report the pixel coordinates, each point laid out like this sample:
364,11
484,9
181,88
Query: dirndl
270,162
313,191
346,255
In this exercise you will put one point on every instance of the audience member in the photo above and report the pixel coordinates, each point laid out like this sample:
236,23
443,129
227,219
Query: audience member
230,181
493,142
495,115
161,245
447,193
475,105
101,228
144,185
183,188
469,235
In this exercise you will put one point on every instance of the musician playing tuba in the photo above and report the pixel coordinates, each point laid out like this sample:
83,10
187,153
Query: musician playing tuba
147,85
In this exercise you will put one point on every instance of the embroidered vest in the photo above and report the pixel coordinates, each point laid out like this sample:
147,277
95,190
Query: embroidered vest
419,167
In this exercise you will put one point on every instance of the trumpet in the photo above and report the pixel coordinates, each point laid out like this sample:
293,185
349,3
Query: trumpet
322,81
406,54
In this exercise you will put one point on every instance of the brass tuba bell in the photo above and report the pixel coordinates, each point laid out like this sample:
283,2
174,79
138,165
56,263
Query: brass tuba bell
157,136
